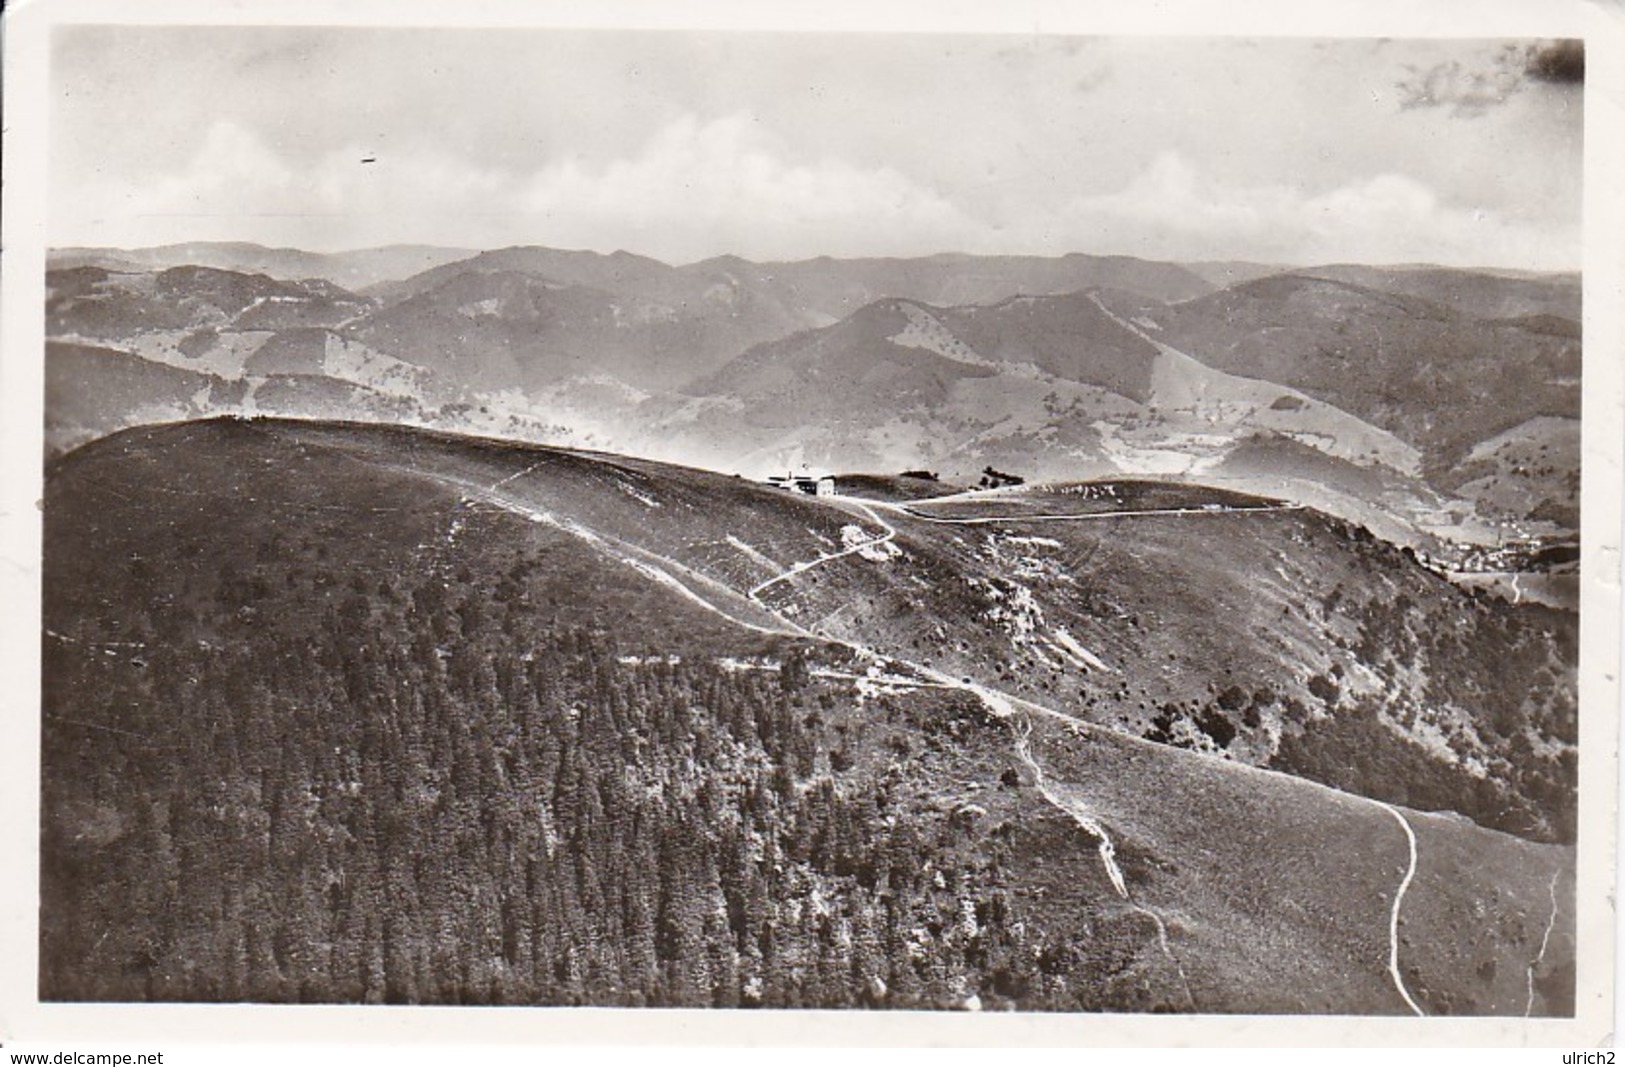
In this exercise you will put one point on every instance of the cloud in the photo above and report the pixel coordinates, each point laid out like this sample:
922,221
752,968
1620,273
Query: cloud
1470,89
236,180
1467,90
230,163
694,189
697,188
1172,211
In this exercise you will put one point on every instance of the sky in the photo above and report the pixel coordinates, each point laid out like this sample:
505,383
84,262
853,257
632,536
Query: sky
686,145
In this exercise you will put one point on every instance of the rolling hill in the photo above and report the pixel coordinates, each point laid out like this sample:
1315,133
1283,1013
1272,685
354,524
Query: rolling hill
896,385
836,288
90,390
1058,386
127,348
1481,294
823,290
1438,378
495,329
354,270
662,327
97,303
1427,393
467,721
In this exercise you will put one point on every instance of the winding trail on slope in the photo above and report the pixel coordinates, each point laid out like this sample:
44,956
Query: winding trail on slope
1086,821
1000,705
651,565
981,520
801,568
1107,851
1551,923
1003,707
494,486
1399,899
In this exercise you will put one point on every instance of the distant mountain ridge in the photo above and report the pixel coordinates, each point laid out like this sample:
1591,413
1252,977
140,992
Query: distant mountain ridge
354,270
1056,367
1485,294
1436,374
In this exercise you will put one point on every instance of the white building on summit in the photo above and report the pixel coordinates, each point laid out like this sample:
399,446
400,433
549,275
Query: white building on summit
812,485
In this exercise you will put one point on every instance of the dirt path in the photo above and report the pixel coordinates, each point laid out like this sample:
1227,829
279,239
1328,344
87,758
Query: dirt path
1000,705
981,520
657,568
1529,1004
1399,899
1105,847
802,568
1004,707
1090,825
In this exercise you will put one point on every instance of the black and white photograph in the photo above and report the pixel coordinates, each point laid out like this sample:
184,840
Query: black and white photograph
932,521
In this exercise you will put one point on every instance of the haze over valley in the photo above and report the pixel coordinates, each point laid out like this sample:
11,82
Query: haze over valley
1435,406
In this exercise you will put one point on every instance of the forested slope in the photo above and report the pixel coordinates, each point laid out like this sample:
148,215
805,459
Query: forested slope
344,714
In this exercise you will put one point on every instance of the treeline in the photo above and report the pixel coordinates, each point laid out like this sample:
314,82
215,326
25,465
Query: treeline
418,798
